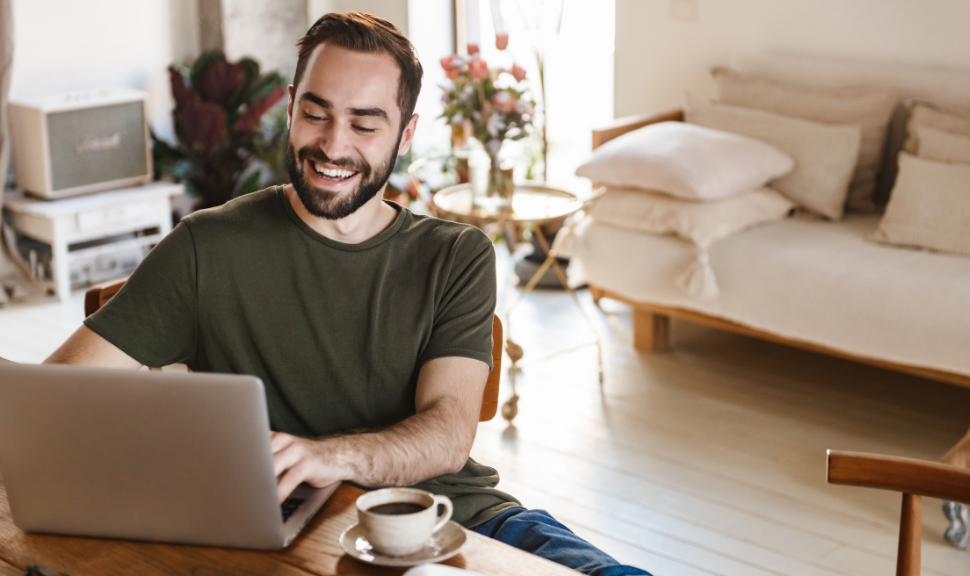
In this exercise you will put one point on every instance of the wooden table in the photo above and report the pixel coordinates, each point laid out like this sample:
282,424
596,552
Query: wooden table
315,552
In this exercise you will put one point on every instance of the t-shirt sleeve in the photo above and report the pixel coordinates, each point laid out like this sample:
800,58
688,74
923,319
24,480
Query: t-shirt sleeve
463,314
153,317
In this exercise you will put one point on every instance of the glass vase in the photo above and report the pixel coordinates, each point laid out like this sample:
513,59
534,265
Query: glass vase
496,194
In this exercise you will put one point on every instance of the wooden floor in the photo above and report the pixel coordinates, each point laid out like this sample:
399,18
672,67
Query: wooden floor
708,459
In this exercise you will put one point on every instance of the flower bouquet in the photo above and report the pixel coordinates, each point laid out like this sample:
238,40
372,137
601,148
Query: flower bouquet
489,104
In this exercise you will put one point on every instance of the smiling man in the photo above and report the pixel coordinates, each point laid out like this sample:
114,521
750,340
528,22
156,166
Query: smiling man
369,326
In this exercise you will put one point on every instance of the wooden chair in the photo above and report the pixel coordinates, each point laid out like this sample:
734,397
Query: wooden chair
97,295
915,479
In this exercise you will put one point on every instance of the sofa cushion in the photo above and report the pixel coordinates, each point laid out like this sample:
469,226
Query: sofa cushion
929,207
943,146
806,279
701,223
686,161
927,115
825,154
869,107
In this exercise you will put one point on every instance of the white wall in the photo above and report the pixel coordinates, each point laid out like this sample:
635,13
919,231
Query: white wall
658,56
266,31
66,45
394,10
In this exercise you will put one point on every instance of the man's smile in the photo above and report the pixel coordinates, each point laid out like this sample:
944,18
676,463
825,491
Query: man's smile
327,174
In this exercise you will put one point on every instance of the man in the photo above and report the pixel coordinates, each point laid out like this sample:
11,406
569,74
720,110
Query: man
369,326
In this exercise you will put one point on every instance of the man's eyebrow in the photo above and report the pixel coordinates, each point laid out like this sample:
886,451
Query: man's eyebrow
375,112
315,99
323,103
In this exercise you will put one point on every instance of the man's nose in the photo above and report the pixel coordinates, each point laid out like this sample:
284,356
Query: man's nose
336,141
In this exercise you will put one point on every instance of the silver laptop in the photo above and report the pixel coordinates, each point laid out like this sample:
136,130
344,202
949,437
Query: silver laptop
139,455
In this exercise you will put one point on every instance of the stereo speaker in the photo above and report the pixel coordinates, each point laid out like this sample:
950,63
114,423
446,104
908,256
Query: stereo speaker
81,143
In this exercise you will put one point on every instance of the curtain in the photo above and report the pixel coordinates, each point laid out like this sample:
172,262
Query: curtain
15,280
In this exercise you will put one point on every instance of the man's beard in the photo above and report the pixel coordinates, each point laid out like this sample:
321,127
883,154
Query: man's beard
326,204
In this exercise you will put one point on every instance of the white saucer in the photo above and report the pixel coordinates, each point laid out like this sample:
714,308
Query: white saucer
443,544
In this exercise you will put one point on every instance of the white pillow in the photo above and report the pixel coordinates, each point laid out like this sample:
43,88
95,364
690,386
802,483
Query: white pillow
825,154
869,106
686,161
699,222
925,114
943,146
929,206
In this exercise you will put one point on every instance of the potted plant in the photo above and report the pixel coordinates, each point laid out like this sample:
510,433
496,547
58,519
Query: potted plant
219,106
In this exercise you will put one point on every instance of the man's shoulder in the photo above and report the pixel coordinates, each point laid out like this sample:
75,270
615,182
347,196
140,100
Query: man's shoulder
240,213
445,233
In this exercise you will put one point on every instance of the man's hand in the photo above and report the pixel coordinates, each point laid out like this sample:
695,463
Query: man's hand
300,460
434,441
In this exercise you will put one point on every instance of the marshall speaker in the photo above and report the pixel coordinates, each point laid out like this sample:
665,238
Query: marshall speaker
81,143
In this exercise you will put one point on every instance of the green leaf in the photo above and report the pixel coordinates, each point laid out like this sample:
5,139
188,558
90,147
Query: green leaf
242,93
265,85
206,60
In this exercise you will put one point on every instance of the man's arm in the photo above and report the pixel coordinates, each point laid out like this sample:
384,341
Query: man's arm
86,348
435,441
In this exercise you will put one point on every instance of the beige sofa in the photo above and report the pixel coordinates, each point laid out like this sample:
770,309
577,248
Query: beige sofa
805,282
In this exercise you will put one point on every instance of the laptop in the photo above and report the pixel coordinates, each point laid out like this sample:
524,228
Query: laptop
144,455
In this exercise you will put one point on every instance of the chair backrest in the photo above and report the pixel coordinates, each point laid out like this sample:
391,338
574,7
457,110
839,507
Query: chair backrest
97,295
915,479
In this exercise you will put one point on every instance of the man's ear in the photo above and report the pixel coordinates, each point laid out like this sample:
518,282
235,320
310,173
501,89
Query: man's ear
407,135
289,105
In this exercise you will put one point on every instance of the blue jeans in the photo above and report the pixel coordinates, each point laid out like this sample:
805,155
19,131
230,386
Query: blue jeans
537,532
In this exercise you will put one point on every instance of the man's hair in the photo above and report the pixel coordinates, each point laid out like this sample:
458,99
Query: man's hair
366,33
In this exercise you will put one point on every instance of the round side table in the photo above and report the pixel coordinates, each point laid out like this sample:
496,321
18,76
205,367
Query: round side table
531,204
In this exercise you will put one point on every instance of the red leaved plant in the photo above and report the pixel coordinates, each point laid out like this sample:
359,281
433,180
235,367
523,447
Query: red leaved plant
218,109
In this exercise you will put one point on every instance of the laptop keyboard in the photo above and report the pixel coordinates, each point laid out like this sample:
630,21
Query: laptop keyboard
289,506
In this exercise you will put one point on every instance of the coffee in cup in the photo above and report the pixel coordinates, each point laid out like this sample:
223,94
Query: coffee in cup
400,521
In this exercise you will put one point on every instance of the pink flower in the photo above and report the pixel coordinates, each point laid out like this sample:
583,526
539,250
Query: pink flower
472,49
452,73
504,101
518,72
502,40
478,69
451,62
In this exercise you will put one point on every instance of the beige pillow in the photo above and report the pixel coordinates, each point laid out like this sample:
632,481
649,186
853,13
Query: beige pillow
943,146
869,107
825,154
929,206
699,222
926,115
686,161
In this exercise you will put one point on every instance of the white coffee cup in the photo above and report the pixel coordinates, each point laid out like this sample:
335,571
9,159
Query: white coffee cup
392,528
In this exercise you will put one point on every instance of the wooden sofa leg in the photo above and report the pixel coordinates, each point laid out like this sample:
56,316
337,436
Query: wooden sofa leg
651,332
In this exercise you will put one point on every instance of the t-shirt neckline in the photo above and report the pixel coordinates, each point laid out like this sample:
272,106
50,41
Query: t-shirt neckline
402,213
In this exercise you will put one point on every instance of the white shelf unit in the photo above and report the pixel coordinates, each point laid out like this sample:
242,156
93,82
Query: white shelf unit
119,222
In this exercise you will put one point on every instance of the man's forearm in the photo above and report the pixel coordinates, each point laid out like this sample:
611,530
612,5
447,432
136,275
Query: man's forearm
434,441
428,444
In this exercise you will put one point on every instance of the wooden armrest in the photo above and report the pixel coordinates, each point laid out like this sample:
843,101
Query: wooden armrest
621,126
97,295
490,397
905,475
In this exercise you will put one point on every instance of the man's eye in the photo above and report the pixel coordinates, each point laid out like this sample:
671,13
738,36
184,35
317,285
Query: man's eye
309,116
364,130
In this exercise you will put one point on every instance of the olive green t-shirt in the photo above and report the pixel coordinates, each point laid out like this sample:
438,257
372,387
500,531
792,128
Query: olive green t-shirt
337,332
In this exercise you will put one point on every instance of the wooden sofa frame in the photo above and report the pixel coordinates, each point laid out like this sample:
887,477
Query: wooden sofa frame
651,322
